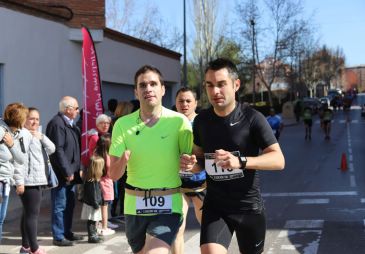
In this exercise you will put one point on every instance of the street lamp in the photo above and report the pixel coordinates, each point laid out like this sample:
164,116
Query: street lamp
252,23
185,83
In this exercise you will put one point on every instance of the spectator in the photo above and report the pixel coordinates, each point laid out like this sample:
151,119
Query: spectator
63,132
34,178
112,105
92,198
12,152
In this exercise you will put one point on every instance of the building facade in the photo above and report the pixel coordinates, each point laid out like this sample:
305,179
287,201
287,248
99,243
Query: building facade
40,54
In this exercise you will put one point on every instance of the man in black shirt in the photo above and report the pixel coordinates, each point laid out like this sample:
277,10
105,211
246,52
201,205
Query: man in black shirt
235,141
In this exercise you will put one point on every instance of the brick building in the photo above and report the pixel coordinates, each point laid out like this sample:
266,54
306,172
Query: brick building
40,54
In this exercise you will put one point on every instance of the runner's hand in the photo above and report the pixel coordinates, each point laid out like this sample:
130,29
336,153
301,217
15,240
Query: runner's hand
226,160
187,162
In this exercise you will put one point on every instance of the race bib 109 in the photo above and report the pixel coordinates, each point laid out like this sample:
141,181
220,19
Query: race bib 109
154,205
217,173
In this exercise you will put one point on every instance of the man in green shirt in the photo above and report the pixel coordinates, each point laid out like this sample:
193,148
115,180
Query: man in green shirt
149,142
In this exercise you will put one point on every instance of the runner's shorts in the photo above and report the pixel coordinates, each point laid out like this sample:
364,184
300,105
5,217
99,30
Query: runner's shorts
250,228
161,226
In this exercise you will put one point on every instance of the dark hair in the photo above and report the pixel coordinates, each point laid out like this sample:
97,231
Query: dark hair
112,105
102,148
184,90
145,69
221,63
102,145
32,109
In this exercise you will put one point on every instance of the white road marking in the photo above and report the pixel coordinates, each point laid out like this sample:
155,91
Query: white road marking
304,224
303,194
317,201
362,201
352,181
351,157
290,246
351,167
350,150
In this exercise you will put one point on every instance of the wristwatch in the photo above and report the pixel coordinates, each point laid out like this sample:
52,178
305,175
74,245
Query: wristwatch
242,160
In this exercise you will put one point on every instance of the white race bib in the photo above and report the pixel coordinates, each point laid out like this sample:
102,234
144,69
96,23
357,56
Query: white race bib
217,173
154,205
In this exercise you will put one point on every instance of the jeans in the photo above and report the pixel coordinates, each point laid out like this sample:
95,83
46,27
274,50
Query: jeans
3,208
63,204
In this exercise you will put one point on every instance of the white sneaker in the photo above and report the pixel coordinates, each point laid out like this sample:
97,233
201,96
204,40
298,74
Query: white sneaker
107,231
112,226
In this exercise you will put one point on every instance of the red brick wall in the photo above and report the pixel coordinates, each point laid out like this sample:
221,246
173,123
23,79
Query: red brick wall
73,13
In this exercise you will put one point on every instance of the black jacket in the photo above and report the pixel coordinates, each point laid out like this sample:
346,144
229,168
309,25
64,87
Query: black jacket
66,159
92,194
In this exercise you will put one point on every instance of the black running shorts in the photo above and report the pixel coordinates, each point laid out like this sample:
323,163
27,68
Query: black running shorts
250,230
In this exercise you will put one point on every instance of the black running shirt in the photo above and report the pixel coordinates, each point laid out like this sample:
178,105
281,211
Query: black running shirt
245,130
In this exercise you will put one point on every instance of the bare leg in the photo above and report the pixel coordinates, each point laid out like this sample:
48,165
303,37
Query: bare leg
213,248
178,245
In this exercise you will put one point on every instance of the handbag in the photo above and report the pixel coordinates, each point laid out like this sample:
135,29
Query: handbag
52,180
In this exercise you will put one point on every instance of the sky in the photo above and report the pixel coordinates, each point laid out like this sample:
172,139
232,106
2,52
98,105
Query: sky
339,23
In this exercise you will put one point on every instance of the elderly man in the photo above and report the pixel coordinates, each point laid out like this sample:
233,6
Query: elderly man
63,132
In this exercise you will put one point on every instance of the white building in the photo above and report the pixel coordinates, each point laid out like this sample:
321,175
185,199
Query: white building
40,55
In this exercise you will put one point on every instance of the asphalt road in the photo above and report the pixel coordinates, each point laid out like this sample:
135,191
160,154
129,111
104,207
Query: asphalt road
313,206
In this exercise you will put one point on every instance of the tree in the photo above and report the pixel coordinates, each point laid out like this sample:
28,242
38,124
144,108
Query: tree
120,16
283,25
207,39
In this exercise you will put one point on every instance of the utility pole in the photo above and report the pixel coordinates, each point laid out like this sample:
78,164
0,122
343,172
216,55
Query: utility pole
252,22
185,82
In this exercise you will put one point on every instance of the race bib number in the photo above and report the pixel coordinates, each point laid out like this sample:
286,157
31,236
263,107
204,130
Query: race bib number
154,205
217,173
185,174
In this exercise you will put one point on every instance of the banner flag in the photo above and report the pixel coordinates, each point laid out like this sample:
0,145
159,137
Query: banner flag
92,103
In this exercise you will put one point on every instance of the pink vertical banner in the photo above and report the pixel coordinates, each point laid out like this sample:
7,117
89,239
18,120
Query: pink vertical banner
92,102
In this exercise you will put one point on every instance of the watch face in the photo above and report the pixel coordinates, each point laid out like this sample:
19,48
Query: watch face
243,159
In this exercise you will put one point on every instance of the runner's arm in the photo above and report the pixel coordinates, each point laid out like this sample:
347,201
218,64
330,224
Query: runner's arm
118,165
271,158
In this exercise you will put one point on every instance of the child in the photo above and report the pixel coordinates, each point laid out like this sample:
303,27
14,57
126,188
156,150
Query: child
92,198
106,184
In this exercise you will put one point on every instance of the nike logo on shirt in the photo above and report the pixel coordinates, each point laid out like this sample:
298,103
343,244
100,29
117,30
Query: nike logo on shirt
233,124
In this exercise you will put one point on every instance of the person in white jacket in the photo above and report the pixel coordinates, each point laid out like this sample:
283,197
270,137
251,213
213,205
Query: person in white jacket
32,180
10,152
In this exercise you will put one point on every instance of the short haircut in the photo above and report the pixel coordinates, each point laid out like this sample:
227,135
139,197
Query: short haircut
147,68
221,63
66,102
184,90
32,109
15,115
103,118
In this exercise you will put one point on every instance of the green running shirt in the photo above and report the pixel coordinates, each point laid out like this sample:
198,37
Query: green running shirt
155,153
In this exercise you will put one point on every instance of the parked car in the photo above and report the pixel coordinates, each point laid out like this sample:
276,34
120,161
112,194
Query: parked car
313,103
325,100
